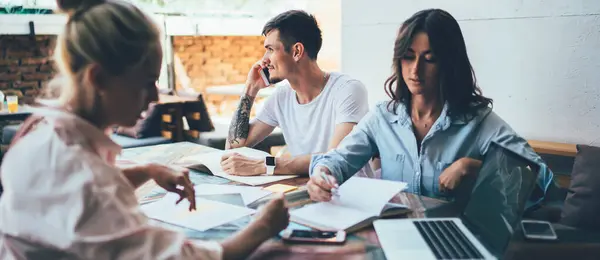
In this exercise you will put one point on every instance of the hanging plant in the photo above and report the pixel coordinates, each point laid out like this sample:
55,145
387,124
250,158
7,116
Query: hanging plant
23,10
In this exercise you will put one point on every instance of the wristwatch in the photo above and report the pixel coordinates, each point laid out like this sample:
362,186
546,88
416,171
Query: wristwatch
270,164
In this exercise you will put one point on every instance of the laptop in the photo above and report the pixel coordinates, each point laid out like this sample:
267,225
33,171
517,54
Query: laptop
492,213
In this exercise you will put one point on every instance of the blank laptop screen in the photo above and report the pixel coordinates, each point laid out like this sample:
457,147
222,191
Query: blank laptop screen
498,198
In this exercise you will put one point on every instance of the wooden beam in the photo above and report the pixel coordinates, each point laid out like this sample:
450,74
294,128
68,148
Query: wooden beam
561,149
45,24
213,26
173,99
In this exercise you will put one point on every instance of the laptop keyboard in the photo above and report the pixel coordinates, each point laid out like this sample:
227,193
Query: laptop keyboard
446,240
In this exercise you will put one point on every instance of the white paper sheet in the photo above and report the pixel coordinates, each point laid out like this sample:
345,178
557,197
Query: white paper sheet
212,161
249,194
368,195
359,198
208,213
326,216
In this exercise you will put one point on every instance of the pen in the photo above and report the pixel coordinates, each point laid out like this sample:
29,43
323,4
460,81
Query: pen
333,190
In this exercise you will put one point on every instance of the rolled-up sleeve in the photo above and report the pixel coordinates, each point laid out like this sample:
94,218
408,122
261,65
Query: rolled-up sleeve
355,150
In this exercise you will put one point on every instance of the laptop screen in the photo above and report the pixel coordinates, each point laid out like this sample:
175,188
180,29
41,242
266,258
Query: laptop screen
498,197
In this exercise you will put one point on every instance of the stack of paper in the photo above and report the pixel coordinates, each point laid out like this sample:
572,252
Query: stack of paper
211,162
208,213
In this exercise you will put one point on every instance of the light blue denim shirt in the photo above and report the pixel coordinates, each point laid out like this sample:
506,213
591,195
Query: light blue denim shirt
391,136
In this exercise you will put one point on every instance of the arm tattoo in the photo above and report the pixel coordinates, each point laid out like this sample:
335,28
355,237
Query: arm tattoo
240,124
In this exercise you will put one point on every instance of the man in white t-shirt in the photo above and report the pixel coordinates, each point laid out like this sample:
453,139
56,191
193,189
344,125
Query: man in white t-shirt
314,109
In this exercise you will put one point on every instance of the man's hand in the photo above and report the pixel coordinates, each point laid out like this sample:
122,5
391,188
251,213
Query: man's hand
451,176
173,180
318,188
237,164
254,82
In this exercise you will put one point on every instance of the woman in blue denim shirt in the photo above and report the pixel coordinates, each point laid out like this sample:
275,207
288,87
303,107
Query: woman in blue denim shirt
438,125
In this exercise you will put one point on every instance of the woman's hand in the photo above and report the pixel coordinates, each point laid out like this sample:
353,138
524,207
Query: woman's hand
274,216
321,184
269,221
451,176
173,180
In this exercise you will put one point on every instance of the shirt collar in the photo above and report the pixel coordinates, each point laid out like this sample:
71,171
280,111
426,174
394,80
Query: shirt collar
444,121
98,138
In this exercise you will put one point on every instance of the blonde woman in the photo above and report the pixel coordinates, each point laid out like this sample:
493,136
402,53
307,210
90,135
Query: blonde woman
64,198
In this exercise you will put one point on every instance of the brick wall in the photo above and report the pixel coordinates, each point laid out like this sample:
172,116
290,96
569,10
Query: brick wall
25,64
217,60
213,61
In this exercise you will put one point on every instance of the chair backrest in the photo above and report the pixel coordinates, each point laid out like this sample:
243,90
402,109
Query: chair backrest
581,207
197,117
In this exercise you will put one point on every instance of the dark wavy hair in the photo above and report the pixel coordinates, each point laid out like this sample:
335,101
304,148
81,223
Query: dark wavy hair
458,85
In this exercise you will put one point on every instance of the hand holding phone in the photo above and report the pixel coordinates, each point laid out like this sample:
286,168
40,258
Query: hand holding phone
534,229
258,78
314,236
264,74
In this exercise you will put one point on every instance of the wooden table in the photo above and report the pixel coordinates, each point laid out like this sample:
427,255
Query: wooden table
364,243
360,245
21,114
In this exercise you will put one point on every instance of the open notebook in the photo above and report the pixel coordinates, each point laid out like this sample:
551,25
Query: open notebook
360,201
211,163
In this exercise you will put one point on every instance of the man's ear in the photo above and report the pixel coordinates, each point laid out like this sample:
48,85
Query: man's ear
297,51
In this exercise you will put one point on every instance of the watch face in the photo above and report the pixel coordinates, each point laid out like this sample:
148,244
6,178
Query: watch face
270,161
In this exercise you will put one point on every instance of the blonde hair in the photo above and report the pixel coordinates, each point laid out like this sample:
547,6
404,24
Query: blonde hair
114,34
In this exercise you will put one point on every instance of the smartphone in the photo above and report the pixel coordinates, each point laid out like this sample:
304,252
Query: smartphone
535,229
264,73
314,236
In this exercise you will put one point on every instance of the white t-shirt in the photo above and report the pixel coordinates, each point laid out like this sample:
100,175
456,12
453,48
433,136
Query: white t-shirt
308,128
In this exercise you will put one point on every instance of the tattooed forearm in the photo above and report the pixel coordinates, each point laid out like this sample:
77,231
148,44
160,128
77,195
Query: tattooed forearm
240,124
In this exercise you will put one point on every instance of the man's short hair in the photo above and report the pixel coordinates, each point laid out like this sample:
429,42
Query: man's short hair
297,26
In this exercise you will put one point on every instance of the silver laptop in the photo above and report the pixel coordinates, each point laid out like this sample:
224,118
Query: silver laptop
494,206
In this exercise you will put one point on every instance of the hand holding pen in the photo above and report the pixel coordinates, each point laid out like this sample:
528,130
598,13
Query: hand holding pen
332,183
322,185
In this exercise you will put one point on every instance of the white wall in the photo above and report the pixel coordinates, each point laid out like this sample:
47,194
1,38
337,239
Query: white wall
329,16
538,59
